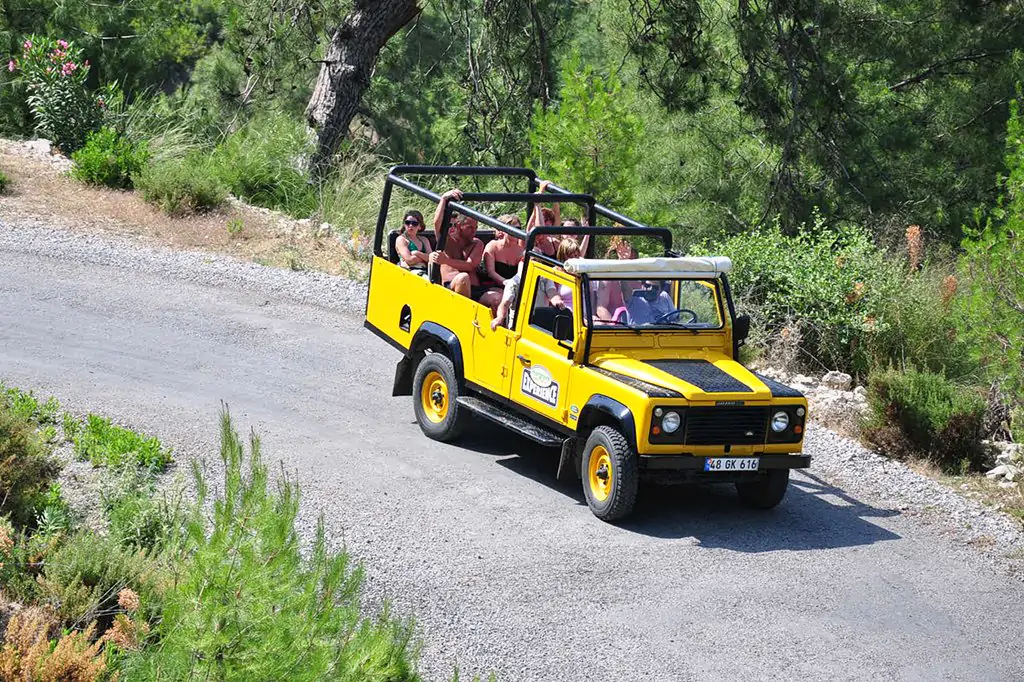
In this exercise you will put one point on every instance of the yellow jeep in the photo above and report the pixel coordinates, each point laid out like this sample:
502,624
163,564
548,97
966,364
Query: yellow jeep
653,388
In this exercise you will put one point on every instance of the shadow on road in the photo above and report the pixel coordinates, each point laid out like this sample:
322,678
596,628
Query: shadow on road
814,514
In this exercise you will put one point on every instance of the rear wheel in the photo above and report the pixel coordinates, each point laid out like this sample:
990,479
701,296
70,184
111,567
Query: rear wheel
610,474
765,492
435,394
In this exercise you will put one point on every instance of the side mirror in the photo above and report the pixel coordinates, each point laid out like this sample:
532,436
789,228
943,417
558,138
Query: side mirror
741,329
563,327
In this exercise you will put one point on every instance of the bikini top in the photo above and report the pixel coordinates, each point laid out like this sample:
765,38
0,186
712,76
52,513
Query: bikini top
506,270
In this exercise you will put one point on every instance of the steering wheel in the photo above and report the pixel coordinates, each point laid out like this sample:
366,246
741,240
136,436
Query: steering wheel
677,311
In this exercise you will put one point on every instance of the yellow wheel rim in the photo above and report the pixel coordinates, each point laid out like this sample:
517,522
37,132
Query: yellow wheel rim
434,397
600,471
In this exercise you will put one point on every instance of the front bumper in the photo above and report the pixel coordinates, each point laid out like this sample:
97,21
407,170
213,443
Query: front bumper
692,463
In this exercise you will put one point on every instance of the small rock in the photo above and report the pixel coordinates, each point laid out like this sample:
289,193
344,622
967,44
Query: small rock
325,230
839,381
998,472
1007,484
861,392
304,222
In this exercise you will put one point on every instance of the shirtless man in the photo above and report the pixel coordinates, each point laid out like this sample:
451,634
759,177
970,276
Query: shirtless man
462,251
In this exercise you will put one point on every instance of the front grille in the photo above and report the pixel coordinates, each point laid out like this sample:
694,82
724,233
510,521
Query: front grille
726,425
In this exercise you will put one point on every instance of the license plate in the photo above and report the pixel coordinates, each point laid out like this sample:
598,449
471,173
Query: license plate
731,464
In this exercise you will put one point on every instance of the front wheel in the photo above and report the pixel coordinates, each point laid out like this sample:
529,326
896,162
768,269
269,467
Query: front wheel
765,492
610,474
435,394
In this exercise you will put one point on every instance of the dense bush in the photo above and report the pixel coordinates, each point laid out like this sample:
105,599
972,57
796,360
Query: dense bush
54,74
84,576
4,182
137,516
109,159
923,414
180,186
27,468
238,569
263,163
849,304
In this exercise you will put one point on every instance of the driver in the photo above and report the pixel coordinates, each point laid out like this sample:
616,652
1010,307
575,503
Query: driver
649,303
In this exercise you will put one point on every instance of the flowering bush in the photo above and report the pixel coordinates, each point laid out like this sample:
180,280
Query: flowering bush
54,74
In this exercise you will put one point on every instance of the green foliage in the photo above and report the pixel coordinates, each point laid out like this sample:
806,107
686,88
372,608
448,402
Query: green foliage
84,576
138,518
280,613
993,267
54,74
27,407
589,142
105,444
109,159
27,468
180,186
5,183
263,163
56,517
924,414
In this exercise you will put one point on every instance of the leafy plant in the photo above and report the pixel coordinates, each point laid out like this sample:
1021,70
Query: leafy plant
180,186
109,159
5,183
26,406
923,414
137,517
104,443
26,467
55,74
239,566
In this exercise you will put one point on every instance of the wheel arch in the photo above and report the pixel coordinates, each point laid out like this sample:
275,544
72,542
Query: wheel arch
602,410
429,336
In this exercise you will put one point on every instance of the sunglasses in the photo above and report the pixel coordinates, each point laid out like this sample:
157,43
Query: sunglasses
412,222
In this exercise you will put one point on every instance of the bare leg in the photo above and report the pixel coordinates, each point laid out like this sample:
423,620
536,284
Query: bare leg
461,284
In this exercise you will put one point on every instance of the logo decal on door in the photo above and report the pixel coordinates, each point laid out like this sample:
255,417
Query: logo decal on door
538,384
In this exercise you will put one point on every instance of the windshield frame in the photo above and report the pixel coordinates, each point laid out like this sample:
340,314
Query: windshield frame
588,312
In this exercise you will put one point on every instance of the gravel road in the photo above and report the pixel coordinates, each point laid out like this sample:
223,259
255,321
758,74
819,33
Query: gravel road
505,569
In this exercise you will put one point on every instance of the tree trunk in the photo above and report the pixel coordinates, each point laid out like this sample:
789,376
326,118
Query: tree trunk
346,70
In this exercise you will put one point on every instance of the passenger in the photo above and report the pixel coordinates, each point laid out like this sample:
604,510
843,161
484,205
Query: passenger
560,295
547,217
508,297
585,242
620,249
462,252
502,257
413,248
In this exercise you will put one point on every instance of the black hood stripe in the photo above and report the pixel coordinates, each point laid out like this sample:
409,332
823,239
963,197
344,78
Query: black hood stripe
779,390
650,389
701,374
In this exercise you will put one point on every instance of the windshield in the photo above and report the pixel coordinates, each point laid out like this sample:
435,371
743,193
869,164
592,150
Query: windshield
663,303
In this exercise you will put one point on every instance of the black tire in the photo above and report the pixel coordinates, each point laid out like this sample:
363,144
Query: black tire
444,427
767,491
614,499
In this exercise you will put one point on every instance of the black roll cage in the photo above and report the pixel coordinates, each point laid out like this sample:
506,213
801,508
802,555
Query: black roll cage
627,227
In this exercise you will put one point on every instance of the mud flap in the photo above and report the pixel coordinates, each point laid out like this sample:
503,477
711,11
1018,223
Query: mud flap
403,377
566,461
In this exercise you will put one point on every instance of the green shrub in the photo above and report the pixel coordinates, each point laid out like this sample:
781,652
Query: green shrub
26,467
105,444
181,186
280,613
84,576
108,159
137,517
263,163
923,414
27,407
5,183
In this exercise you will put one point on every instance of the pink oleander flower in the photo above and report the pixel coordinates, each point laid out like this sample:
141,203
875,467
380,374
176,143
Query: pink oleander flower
69,68
27,45
11,66
62,44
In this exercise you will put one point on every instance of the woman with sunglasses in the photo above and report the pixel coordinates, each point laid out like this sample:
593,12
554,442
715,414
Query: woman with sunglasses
413,247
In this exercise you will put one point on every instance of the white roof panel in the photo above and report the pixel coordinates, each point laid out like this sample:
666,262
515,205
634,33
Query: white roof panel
686,266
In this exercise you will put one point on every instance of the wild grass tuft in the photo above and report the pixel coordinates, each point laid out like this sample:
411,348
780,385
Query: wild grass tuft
181,186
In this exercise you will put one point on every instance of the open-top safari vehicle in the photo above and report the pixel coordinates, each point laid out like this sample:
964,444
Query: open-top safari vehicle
653,388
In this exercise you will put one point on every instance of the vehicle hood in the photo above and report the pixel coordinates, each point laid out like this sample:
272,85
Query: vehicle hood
712,376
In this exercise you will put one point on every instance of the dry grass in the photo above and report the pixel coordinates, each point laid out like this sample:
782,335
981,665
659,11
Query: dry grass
980,488
39,191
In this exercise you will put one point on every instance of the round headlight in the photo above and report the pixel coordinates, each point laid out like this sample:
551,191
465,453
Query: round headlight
670,423
780,422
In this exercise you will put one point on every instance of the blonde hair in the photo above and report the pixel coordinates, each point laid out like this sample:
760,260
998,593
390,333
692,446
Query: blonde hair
567,249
